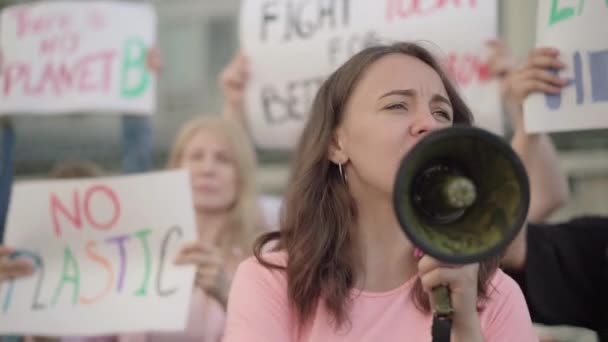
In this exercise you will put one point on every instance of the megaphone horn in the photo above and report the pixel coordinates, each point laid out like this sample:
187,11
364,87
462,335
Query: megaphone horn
461,195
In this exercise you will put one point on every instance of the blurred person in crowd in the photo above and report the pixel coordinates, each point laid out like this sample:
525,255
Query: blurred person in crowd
548,184
75,169
562,268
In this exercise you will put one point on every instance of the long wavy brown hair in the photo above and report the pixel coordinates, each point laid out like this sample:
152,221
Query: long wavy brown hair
319,214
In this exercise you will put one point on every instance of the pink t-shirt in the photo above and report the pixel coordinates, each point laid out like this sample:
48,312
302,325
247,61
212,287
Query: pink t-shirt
259,311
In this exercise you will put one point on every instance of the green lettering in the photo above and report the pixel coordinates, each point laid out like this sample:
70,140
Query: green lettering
559,14
142,235
134,61
70,274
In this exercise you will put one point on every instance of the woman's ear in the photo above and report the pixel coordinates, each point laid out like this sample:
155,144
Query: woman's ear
336,152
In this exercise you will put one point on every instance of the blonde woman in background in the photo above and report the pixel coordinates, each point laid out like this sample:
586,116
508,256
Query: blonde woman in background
222,165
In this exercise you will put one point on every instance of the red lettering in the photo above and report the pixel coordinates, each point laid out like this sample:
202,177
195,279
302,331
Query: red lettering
21,15
91,73
97,20
74,215
101,189
467,68
64,21
65,76
85,83
102,60
58,207
27,24
13,74
403,9
67,43
48,45
48,78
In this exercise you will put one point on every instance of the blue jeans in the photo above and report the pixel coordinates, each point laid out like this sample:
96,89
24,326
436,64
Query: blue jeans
7,169
137,143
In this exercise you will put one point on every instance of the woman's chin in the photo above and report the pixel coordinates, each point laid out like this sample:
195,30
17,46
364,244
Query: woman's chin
210,207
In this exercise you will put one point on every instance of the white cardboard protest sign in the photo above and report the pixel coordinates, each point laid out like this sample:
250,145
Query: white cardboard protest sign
104,251
578,29
72,56
293,45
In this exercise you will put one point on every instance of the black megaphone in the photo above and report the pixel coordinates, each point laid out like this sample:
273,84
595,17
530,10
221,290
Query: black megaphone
461,195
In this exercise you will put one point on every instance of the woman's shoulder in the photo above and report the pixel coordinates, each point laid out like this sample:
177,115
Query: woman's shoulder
503,289
505,309
267,268
501,281
261,283
258,305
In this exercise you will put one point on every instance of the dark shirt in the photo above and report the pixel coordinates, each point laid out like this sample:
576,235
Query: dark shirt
565,278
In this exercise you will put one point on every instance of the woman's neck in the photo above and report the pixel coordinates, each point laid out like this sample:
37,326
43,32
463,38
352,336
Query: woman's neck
211,225
387,256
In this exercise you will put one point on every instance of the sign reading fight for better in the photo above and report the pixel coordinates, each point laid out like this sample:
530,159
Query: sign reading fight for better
578,29
103,251
293,45
71,56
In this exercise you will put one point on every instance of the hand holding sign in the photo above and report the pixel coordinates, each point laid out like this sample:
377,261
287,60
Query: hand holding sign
579,32
500,60
210,269
13,268
534,76
153,60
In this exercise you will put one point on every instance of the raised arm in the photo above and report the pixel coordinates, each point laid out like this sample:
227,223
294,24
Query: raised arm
548,184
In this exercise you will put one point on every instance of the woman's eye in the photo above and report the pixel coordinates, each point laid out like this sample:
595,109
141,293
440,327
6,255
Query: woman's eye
223,158
195,156
397,106
445,116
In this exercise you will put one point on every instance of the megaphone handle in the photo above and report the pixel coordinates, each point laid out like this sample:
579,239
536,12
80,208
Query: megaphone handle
442,305
442,312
